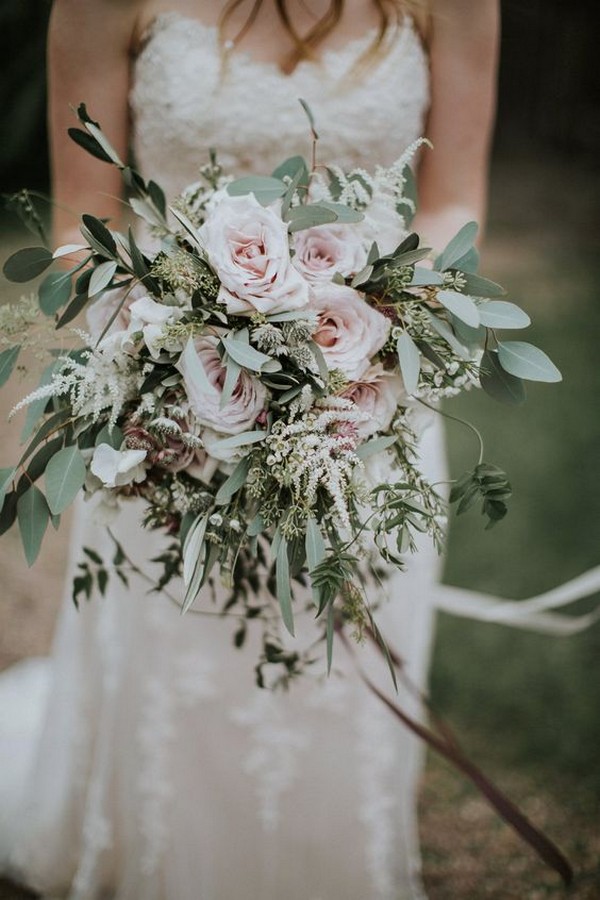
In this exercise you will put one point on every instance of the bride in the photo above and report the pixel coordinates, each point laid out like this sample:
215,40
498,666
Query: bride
155,769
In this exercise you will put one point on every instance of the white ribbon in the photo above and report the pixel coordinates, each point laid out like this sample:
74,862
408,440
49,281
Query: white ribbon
533,614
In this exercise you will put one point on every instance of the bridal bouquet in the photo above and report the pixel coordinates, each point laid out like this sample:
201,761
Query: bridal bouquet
260,380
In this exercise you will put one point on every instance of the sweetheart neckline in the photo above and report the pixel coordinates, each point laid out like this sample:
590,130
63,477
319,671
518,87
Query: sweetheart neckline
241,57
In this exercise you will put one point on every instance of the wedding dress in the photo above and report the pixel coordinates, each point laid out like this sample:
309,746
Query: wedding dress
142,763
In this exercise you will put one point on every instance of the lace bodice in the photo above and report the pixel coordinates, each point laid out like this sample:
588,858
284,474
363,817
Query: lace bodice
183,104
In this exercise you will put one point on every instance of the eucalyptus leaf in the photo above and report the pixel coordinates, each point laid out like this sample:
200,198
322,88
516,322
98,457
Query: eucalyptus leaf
409,358
76,306
114,437
375,445
290,168
64,477
460,244
265,189
188,226
527,361
469,263
444,330
460,306
54,292
232,375
501,314
8,361
89,144
363,276
500,385
52,424
97,133
477,286
194,561
147,211
68,249
240,440
6,477
26,264
247,356
308,216
282,578
236,480
345,214
98,235
35,409
102,276
422,277
33,516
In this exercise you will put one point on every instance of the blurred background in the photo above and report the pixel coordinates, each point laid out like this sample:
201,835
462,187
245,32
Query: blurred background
527,706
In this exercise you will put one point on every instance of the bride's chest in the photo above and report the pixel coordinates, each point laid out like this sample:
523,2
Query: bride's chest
184,100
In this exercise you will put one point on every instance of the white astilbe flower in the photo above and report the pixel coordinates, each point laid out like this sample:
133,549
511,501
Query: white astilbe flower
103,381
317,451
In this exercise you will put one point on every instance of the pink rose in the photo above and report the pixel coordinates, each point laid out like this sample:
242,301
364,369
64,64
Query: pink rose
248,246
326,249
349,331
204,377
376,393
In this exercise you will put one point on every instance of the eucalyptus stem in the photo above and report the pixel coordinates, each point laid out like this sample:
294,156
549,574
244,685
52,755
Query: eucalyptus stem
469,425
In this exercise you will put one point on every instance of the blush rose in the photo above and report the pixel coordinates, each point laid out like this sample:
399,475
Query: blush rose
248,246
349,331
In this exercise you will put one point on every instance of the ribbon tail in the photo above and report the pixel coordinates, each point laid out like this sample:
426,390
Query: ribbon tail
447,746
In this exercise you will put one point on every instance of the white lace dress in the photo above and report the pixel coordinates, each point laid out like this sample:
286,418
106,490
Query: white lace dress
142,763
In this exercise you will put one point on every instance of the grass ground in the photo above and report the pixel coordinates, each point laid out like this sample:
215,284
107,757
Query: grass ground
526,705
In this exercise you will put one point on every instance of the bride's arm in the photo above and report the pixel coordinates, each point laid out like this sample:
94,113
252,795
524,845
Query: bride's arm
89,52
463,43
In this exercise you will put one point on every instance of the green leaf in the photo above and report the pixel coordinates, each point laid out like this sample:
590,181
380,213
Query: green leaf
77,304
85,140
284,593
500,384
345,214
247,356
240,440
193,560
477,286
235,481
422,276
460,244
409,358
26,264
308,216
289,168
50,425
99,237
309,116
102,276
114,437
469,263
265,189
96,132
64,478
35,409
460,306
146,210
6,477
232,375
54,292
37,465
363,276
33,516
445,331
375,445
527,361
501,314
315,551
8,360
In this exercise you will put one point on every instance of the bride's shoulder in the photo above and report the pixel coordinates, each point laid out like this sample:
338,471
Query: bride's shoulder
117,19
